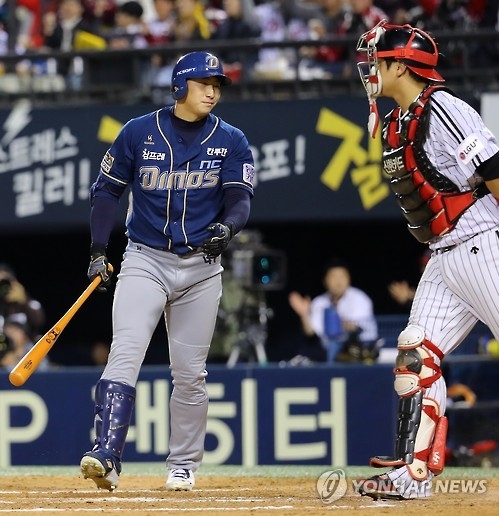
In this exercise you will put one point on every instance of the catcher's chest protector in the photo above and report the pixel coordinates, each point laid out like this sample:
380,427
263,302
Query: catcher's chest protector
431,202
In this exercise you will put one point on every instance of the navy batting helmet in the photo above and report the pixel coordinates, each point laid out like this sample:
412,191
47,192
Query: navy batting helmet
413,47
196,65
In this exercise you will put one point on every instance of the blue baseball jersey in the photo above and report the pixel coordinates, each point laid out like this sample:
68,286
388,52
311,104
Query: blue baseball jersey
177,190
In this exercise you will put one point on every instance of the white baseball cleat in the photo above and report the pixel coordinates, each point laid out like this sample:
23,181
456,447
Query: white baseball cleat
101,470
180,480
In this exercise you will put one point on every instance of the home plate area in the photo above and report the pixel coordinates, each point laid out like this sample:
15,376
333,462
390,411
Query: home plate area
53,494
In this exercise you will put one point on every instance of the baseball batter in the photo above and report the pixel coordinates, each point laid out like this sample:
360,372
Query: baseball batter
443,166
190,177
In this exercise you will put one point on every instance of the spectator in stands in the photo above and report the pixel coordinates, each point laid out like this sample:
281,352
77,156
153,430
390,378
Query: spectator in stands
272,63
215,13
330,23
15,300
451,14
398,10
4,39
297,16
148,7
18,331
100,14
342,317
29,20
191,23
240,23
362,15
61,28
280,20
129,30
159,29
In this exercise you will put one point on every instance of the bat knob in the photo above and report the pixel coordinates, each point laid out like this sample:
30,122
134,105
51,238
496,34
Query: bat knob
16,379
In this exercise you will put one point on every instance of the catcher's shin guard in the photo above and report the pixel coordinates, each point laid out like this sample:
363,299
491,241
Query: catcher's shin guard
114,404
421,429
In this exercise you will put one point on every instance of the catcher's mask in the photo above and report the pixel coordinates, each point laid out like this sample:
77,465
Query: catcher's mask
409,45
196,65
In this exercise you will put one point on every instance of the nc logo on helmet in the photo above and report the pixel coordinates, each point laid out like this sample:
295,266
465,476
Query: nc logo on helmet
212,62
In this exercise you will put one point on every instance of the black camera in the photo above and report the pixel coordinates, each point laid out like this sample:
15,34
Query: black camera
5,286
260,268
6,345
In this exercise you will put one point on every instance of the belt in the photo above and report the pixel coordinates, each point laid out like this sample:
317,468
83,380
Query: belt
442,250
181,255
189,253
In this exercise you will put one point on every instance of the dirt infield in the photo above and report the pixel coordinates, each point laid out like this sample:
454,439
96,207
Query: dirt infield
215,496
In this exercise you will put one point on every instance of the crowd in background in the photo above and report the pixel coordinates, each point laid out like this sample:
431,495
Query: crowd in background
40,26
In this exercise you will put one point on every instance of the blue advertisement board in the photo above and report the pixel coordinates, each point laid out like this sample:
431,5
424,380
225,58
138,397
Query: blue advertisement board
322,415
314,160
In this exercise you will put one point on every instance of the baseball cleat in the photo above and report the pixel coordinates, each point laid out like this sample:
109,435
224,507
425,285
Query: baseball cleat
180,480
381,487
102,470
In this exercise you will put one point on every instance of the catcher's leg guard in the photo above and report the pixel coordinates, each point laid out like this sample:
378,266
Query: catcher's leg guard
114,404
421,429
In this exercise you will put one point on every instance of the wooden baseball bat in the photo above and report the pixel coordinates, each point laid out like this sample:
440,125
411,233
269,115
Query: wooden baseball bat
31,360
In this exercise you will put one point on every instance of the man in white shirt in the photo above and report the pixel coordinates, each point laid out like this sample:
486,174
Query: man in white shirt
351,306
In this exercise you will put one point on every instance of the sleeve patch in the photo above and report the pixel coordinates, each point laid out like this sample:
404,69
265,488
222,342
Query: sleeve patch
107,162
248,173
469,148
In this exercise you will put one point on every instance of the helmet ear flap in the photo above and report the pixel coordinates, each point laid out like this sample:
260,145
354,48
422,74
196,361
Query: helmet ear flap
179,91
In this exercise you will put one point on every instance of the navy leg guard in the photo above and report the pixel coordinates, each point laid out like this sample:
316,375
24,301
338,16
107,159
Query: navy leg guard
114,404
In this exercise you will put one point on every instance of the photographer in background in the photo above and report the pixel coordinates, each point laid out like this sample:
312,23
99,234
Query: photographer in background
16,332
341,320
14,299
7,353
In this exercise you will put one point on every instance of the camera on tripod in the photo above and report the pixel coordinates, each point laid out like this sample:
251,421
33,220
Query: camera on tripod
259,268
254,269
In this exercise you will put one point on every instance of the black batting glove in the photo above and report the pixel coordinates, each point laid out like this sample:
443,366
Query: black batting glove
217,244
99,266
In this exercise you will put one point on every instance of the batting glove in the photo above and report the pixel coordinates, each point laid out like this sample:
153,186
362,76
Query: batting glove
215,245
99,266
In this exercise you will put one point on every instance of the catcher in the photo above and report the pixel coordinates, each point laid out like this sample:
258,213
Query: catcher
443,165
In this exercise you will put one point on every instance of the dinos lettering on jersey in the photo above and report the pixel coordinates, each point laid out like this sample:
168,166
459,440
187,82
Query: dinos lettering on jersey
151,178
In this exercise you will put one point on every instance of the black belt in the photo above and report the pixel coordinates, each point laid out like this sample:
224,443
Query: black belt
182,255
444,249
